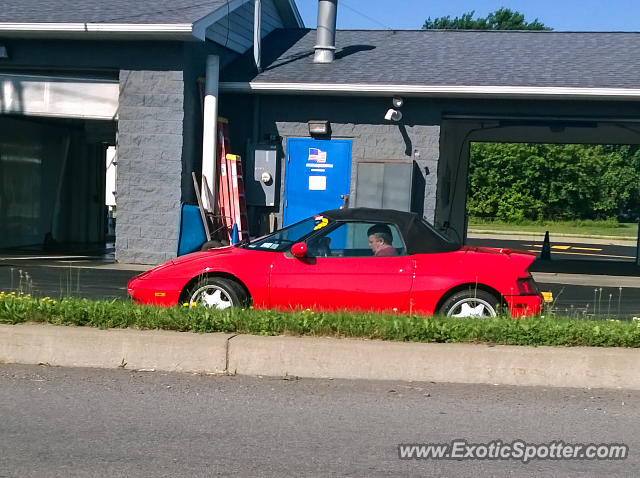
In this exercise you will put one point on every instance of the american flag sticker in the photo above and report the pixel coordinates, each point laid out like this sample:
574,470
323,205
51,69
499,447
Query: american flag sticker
317,155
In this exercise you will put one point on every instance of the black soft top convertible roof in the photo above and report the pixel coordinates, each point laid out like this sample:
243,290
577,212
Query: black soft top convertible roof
419,236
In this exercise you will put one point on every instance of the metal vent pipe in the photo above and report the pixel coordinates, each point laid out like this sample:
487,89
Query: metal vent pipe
326,32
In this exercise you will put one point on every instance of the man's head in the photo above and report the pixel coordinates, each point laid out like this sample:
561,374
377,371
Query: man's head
379,237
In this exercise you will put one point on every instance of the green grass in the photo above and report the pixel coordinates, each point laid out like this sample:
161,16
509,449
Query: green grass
16,309
583,228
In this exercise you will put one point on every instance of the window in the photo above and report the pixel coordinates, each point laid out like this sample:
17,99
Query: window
353,239
285,238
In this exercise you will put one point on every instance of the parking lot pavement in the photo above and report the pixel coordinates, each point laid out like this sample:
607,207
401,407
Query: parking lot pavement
92,274
66,280
555,238
565,248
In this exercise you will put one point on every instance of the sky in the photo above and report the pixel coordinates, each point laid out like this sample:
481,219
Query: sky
561,15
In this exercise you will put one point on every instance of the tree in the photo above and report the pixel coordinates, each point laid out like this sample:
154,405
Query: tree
536,181
501,19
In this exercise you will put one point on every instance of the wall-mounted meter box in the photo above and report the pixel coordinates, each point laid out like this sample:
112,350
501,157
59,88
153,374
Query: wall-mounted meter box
262,176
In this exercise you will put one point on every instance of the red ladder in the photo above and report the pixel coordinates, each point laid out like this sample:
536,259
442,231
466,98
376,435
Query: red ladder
238,200
224,194
231,198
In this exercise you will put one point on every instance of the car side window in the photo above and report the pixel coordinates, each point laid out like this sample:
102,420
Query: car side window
358,239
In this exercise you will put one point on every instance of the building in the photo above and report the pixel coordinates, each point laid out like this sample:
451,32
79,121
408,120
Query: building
385,118
451,88
79,77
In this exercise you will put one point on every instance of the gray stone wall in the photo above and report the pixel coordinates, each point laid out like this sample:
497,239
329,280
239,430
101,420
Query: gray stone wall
149,149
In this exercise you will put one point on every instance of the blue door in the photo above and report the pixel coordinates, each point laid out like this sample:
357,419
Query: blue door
318,174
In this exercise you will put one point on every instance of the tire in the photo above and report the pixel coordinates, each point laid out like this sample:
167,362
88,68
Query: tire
217,293
471,303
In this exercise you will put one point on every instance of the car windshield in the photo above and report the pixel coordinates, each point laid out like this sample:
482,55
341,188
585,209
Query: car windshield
284,238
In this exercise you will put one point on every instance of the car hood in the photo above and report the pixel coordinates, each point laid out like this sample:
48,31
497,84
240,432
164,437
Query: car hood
220,251
194,256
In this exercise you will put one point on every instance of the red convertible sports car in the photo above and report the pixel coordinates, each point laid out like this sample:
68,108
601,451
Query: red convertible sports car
349,259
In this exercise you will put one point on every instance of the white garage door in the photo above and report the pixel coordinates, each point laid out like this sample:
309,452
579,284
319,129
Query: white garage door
64,97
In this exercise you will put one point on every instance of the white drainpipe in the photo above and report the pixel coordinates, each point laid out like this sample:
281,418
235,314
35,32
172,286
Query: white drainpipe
209,133
257,28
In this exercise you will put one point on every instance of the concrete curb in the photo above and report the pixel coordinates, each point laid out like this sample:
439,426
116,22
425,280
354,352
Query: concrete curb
583,367
138,349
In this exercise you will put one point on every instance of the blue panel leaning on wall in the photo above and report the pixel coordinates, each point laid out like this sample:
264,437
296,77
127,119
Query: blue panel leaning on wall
191,233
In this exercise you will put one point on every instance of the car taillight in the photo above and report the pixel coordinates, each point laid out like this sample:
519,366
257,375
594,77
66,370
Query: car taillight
527,286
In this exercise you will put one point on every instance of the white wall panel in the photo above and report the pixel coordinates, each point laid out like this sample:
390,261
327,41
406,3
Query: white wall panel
62,97
236,31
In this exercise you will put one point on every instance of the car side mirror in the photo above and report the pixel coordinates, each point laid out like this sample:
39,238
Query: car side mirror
299,250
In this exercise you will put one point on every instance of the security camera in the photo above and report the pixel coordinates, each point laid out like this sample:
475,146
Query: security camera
393,115
397,102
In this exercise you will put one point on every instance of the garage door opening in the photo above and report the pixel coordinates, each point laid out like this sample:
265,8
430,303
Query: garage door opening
52,184
587,196
555,169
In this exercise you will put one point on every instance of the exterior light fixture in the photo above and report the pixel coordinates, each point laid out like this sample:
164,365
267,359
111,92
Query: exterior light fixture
3,52
319,127
393,115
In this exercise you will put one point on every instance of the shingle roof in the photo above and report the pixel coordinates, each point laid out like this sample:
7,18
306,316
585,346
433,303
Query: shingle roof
107,11
455,58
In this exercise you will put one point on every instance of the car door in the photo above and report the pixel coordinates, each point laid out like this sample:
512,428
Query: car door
347,276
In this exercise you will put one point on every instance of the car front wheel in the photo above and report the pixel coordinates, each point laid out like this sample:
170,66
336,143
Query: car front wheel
217,293
471,303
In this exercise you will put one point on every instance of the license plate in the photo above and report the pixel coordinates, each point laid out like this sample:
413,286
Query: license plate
547,296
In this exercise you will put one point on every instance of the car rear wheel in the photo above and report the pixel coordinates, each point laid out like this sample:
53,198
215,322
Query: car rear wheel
471,303
217,293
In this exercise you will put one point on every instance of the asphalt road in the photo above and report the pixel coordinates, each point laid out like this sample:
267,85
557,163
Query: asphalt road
59,422
565,249
589,301
56,280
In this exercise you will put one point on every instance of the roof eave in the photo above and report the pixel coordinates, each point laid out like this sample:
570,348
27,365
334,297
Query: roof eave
290,13
360,89
166,31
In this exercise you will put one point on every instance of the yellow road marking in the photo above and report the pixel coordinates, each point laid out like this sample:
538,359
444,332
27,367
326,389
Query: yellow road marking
565,247
590,255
